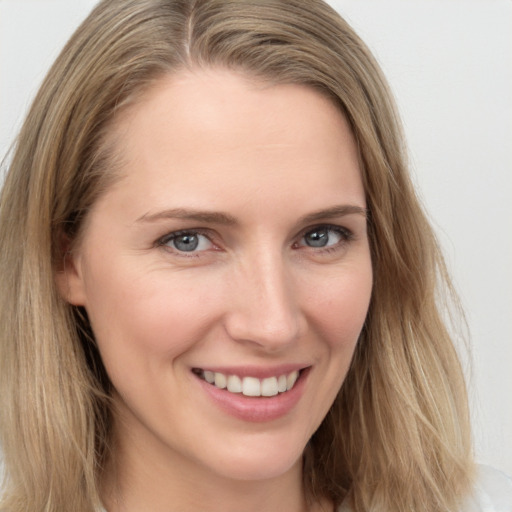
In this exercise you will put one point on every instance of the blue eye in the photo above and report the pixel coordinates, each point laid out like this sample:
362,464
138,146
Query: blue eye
324,236
187,241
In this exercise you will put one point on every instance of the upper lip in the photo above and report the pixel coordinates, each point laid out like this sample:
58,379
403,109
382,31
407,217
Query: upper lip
259,372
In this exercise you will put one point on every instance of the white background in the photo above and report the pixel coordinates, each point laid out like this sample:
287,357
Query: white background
450,66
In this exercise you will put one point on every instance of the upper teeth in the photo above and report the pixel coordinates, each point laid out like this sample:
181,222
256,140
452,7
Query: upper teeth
251,386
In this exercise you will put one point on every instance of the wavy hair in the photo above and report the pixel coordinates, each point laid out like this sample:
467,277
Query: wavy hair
397,436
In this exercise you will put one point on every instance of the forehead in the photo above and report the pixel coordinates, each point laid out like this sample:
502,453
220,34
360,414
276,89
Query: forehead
200,98
203,130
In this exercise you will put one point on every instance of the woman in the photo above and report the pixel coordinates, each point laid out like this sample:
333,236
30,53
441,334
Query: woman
219,284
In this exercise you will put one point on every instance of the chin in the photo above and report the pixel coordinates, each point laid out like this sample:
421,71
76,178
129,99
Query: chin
260,460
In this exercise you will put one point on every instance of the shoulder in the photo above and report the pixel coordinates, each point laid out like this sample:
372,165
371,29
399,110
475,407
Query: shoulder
492,492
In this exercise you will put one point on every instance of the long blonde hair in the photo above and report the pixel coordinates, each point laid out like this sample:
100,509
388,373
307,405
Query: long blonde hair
397,437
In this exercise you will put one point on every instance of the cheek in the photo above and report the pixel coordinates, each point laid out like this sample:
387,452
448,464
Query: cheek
338,309
139,316
336,315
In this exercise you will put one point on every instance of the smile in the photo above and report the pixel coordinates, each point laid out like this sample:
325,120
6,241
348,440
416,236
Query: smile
250,386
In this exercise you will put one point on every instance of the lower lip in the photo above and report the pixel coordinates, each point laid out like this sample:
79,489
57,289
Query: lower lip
256,409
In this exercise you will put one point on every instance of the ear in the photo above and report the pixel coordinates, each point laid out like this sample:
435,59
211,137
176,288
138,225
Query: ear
69,275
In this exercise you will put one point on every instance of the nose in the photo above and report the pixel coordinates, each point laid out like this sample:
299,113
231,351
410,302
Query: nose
264,308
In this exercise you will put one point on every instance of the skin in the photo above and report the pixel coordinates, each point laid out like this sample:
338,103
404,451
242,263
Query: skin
254,292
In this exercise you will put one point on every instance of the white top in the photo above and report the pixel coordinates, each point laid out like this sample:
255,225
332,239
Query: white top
492,493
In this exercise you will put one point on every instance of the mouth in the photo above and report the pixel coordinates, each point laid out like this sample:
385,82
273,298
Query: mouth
251,386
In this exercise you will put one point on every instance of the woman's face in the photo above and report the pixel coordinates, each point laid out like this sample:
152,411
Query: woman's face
232,252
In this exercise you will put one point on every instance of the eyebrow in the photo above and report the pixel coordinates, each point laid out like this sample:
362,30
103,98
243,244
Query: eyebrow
226,219
335,211
190,214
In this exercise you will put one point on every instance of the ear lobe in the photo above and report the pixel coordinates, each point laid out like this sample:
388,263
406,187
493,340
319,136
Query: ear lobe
68,276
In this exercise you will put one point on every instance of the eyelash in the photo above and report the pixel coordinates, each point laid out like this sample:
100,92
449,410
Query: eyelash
166,239
345,234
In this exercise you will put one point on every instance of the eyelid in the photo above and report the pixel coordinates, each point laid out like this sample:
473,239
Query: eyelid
346,233
179,232
334,227
168,237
